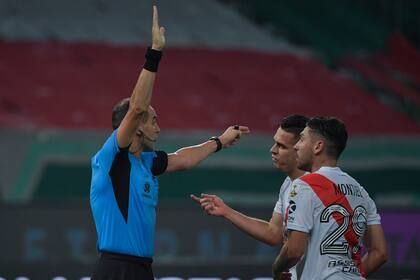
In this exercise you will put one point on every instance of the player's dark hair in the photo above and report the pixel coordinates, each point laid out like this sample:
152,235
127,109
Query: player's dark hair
294,124
119,111
333,131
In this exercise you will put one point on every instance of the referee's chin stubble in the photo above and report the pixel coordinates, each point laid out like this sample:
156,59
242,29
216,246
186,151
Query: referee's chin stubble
148,143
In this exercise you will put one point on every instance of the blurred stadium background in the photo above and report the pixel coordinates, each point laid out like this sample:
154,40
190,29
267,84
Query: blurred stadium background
64,64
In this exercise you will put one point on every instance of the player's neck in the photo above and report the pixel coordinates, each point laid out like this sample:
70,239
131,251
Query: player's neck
296,173
321,162
137,154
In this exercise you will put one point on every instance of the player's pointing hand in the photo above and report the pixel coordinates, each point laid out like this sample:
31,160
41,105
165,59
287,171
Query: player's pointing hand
211,204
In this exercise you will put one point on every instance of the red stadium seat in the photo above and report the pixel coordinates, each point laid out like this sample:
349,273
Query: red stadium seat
74,86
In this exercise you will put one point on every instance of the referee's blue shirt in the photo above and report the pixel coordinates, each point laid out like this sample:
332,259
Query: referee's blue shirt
123,198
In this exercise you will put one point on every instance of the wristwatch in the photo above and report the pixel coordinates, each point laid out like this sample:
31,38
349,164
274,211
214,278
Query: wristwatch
218,142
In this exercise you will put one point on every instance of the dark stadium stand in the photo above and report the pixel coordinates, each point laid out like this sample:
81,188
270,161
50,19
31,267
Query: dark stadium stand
400,54
332,29
383,78
391,75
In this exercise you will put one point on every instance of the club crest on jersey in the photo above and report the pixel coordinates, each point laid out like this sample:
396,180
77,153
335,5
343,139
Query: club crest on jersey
293,192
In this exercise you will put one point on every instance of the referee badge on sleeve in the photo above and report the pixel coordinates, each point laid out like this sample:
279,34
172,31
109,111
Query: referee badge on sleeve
146,190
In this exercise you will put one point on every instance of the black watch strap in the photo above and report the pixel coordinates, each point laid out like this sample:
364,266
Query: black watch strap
218,142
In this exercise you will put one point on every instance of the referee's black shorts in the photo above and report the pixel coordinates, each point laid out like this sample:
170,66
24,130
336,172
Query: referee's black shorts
112,266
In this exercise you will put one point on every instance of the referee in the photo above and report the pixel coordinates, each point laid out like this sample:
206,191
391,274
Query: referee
124,187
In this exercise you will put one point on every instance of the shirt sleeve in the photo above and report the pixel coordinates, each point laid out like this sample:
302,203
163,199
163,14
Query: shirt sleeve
300,211
107,153
160,163
278,208
373,218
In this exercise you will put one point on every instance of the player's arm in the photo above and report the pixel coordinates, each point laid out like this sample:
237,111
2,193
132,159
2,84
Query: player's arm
375,242
290,253
189,157
142,94
270,233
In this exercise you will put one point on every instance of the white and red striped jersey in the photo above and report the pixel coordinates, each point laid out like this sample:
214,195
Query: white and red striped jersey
334,210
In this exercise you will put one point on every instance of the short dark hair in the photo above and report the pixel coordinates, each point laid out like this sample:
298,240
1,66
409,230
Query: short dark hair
333,130
294,124
119,111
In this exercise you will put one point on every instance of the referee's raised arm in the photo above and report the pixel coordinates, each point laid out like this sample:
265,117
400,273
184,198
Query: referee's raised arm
142,94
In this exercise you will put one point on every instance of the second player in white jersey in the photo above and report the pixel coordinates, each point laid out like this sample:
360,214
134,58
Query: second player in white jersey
283,157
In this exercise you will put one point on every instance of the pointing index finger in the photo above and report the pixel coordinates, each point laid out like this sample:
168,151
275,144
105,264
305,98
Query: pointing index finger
155,17
244,129
196,199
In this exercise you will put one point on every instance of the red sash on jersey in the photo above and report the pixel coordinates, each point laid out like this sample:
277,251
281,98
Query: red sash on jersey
324,189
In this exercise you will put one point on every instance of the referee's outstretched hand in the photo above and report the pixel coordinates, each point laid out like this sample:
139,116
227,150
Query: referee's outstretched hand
232,135
158,32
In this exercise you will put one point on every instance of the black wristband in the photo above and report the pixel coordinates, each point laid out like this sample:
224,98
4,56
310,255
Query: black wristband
218,142
152,59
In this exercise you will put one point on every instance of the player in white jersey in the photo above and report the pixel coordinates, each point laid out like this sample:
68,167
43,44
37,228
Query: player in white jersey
330,215
284,158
